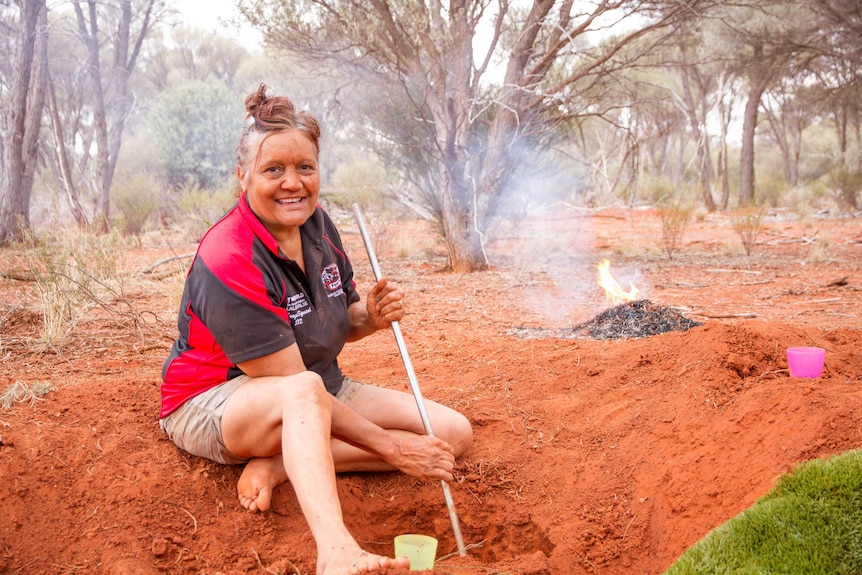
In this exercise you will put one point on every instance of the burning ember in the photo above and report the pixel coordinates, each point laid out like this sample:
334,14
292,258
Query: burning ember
630,317
614,293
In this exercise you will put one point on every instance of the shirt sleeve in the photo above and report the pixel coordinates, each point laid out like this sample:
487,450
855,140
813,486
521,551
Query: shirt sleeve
235,304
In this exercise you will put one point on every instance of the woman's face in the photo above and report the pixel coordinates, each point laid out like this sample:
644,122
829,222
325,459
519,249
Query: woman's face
283,184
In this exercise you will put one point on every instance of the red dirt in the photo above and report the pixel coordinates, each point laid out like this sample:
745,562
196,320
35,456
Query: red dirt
590,456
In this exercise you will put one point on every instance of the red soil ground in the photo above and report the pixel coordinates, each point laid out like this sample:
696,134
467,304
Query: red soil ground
591,456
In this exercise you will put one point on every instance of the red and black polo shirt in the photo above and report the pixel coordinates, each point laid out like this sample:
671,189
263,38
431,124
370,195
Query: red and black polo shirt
243,299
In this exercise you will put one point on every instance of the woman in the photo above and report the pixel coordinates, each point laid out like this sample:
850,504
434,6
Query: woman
253,378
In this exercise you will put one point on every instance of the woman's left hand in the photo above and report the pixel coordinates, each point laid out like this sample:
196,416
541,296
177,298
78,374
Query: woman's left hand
384,304
424,457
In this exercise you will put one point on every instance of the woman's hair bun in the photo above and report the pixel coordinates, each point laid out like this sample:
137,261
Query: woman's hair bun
267,111
266,114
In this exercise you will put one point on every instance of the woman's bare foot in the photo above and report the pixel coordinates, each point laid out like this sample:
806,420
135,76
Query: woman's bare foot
353,560
260,476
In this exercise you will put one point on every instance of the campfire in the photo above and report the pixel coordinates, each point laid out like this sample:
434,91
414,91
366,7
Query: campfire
629,318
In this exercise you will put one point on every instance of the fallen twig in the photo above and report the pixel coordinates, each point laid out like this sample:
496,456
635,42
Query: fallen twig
629,525
278,572
827,300
682,285
812,239
727,315
773,372
164,261
467,547
17,276
186,511
730,271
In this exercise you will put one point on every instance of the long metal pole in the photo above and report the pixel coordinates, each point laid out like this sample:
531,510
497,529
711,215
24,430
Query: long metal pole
414,382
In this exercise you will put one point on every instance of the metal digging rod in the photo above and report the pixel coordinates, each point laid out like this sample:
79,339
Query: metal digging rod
414,383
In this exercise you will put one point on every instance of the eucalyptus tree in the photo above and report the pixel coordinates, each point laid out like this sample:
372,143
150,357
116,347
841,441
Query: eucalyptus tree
69,119
112,35
768,41
475,128
840,71
191,54
790,107
22,94
841,22
695,95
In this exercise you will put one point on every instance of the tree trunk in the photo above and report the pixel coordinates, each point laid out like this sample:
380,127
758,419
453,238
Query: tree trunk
696,111
795,154
459,199
63,166
463,239
749,127
89,31
725,113
22,122
778,126
110,113
705,167
841,131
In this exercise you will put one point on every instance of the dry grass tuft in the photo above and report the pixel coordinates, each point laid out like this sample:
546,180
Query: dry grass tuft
19,392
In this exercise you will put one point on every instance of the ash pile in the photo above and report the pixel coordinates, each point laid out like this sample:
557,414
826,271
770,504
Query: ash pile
630,320
633,320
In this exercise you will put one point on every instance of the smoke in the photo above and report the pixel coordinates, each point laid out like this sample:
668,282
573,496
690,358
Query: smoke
548,238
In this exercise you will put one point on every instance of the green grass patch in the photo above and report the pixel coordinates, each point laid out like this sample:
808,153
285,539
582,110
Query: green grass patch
811,523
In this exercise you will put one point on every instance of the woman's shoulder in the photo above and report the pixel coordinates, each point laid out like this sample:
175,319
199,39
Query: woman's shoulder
227,241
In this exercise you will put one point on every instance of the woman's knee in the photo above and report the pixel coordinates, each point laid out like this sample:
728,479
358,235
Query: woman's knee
465,434
306,386
458,432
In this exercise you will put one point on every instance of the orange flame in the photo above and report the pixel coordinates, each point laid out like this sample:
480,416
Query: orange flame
613,292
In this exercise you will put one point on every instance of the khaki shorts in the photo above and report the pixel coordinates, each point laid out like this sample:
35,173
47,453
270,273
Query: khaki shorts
196,425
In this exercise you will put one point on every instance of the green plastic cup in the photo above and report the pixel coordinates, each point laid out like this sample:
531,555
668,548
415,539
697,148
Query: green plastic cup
419,549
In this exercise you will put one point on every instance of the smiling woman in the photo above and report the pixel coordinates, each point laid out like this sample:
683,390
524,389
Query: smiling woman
253,378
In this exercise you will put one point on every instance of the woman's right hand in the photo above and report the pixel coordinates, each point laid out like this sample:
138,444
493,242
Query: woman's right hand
423,457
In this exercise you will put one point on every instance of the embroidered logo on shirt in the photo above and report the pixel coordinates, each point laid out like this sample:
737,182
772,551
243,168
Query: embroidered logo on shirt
297,308
331,278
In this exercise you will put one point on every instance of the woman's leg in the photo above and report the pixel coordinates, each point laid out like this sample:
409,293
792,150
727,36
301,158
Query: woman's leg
291,417
397,411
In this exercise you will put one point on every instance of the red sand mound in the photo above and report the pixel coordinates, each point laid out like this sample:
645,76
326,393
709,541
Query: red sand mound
591,456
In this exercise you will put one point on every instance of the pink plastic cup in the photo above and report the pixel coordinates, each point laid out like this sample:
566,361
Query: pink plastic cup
805,361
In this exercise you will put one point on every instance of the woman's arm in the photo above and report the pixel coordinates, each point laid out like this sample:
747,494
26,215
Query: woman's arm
287,361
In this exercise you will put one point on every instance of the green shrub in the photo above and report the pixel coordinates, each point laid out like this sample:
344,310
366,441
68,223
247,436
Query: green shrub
845,186
137,200
675,215
748,223
198,208
771,189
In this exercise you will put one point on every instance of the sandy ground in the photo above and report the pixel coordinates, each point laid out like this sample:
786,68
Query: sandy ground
591,456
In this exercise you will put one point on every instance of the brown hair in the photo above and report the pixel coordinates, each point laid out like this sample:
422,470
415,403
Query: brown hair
266,115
